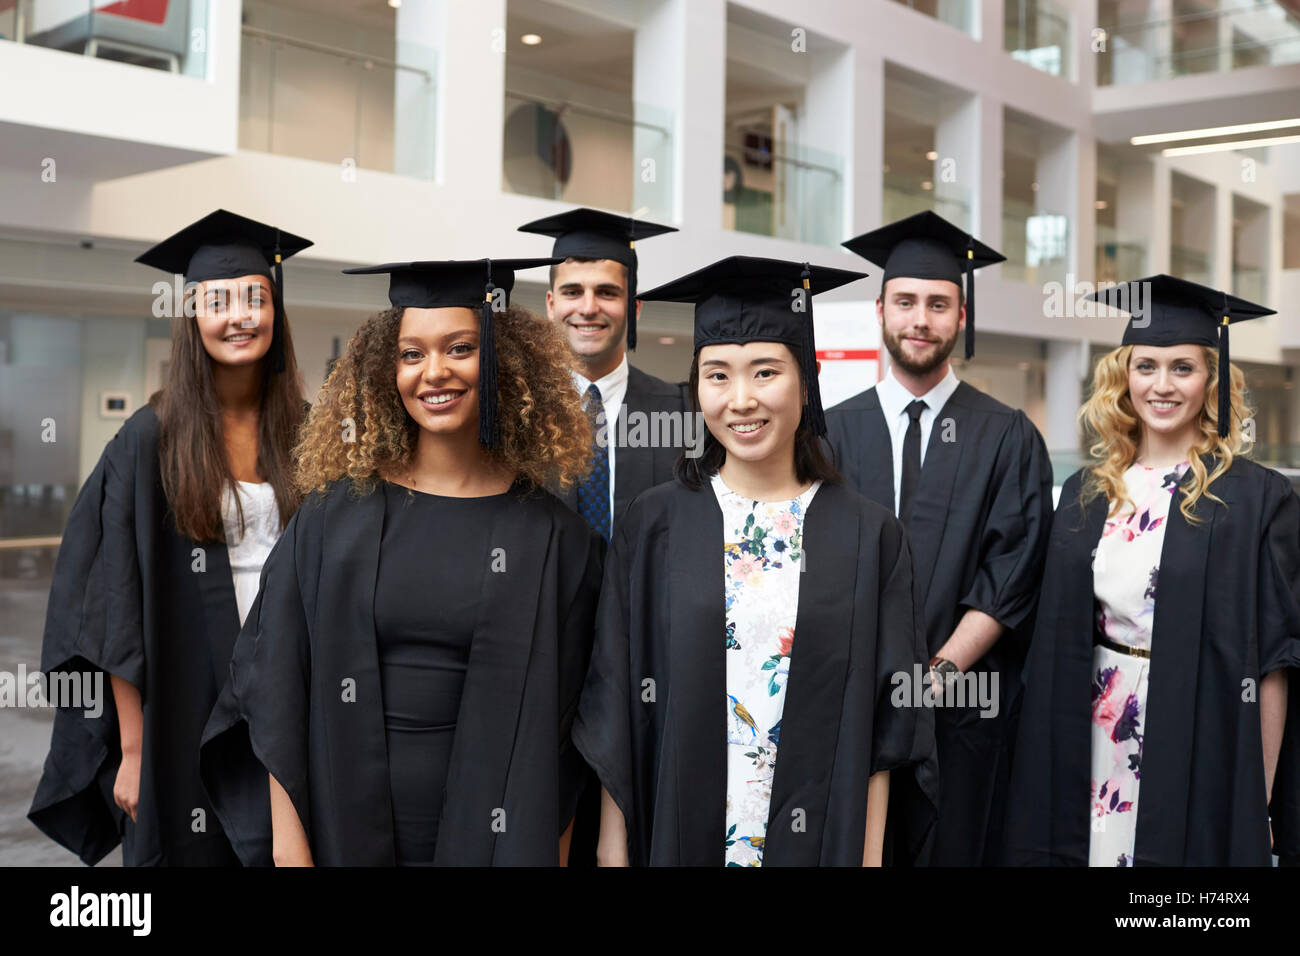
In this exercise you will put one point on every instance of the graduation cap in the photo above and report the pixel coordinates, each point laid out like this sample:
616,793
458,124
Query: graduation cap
927,246
460,283
591,234
1169,311
223,245
748,299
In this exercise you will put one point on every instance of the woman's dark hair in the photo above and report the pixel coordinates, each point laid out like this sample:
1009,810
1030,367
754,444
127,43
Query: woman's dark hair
813,458
191,449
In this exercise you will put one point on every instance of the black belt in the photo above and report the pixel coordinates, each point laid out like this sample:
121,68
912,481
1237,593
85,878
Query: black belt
1120,648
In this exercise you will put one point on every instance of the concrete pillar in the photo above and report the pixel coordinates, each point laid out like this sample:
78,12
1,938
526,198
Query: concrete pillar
1067,364
956,167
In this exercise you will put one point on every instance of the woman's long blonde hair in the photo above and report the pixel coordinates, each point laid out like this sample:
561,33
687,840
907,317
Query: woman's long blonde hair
1110,421
359,429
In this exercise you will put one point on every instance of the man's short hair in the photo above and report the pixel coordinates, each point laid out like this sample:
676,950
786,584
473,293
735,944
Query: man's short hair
555,267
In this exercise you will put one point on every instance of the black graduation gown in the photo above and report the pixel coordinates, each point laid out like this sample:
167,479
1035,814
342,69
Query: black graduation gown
1227,612
639,468
662,618
978,531
304,700
131,596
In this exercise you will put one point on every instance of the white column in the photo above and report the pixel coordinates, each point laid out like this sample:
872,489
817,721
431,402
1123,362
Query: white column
1066,366
957,143
823,203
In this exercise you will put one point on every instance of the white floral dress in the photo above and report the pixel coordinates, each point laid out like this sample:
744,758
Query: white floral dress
1124,573
762,557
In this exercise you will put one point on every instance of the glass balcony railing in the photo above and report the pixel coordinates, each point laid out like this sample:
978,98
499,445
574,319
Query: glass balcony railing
1035,242
955,13
796,194
314,101
903,197
1037,32
1118,260
1190,264
169,35
1241,34
589,156
1250,283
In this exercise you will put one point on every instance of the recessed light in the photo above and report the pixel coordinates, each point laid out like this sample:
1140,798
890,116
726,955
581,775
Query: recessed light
394,3
530,39
667,340
1101,204
1224,147
932,155
927,185
1210,131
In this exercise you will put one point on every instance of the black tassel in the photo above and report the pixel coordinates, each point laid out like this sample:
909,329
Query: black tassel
487,368
816,414
631,297
277,328
970,298
1225,375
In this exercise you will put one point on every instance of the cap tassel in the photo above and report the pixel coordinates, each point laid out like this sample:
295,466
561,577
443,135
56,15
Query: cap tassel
631,297
970,298
277,329
1225,376
815,412
487,368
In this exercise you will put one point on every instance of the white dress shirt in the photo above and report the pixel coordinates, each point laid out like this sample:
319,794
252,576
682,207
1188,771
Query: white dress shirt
613,389
894,399
248,552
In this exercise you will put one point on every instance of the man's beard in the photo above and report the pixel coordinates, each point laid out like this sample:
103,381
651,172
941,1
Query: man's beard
894,344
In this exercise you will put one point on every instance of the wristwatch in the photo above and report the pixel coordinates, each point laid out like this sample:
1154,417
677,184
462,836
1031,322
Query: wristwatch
944,669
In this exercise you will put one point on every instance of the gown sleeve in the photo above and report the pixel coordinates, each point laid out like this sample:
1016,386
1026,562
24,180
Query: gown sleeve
1015,535
1279,647
259,724
93,626
903,737
602,730
575,654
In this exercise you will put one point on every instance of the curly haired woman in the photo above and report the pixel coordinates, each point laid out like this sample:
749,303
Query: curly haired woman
409,674
1155,729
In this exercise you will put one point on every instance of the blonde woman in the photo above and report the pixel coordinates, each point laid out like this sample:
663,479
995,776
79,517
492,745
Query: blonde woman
1169,620
409,673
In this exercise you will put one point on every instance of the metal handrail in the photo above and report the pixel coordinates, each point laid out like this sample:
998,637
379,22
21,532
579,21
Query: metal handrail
777,157
350,55
563,105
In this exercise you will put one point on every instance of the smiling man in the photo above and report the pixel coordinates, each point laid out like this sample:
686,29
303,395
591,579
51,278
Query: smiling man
971,481
593,299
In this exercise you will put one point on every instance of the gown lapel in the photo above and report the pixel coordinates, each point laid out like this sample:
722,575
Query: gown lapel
698,679
218,610
476,806
1172,686
929,516
356,729
814,698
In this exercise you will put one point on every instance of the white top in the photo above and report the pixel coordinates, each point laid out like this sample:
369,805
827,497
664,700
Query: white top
613,389
762,558
261,530
894,399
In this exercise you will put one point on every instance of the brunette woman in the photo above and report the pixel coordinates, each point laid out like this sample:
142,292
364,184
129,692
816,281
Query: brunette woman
409,674
1169,621
162,552
757,618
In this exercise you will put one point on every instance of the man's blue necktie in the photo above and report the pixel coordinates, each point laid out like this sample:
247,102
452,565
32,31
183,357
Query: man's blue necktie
593,491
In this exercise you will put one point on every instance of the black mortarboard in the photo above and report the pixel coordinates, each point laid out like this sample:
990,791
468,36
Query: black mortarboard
1168,311
591,234
747,299
223,245
927,246
463,283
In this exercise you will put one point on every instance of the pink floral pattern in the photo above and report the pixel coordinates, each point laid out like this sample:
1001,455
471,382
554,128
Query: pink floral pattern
1125,576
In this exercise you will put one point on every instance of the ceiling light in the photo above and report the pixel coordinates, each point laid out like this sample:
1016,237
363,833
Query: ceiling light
1101,204
1235,144
932,155
927,185
530,39
666,340
1213,131
394,3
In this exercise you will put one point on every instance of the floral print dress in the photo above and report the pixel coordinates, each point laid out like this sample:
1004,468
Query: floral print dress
1125,572
762,558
